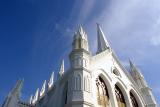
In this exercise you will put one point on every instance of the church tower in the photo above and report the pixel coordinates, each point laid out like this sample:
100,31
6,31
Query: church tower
143,86
81,75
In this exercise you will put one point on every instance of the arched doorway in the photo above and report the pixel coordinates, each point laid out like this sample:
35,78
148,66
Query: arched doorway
119,96
133,100
102,93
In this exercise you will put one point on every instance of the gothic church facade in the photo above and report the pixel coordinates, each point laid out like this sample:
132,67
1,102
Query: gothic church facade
97,80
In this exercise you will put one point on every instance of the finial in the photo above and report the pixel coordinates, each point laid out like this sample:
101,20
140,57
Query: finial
51,81
36,97
43,90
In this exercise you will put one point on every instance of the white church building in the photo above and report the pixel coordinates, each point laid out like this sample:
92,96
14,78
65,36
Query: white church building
98,80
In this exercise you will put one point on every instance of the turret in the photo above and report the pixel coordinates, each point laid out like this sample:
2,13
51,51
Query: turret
80,60
14,96
143,86
80,51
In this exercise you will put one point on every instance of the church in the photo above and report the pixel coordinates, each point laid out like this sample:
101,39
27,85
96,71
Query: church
98,80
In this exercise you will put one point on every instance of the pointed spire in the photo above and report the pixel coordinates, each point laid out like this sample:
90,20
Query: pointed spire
14,96
17,89
102,41
51,81
31,99
43,90
81,33
61,71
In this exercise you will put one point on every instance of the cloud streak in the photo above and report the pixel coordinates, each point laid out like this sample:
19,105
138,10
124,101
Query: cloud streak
133,26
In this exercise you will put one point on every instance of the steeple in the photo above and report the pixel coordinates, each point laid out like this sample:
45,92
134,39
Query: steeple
102,41
61,70
80,40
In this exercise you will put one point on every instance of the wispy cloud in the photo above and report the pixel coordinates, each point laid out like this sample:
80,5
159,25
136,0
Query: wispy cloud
133,26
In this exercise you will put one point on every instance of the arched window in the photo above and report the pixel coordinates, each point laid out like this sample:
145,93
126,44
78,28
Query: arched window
133,100
102,93
119,97
77,82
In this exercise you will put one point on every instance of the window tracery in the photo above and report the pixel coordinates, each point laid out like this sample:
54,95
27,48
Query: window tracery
119,97
133,100
102,93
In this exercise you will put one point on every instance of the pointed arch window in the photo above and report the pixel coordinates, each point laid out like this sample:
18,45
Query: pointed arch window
133,100
77,82
119,97
102,93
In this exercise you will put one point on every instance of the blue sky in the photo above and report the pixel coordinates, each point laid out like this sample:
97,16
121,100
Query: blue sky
35,35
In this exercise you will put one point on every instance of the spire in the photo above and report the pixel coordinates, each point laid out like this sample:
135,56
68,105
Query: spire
134,70
51,81
43,90
61,71
137,75
102,41
14,96
81,33
80,39
17,89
